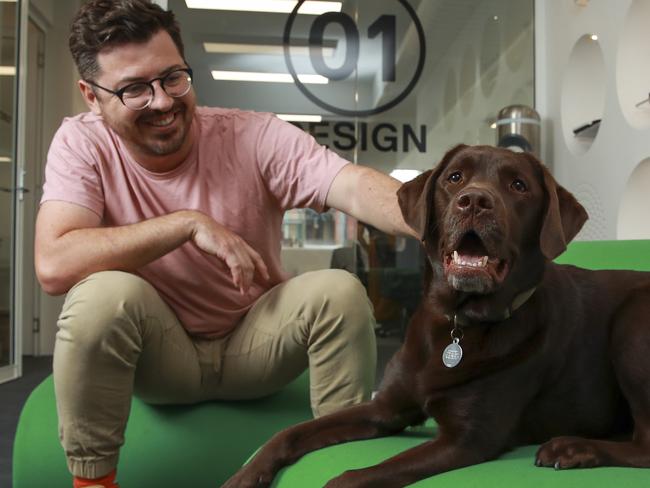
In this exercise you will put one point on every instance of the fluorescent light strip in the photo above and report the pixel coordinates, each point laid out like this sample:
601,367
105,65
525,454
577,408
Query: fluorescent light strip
236,48
5,159
300,118
7,71
312,7
267,77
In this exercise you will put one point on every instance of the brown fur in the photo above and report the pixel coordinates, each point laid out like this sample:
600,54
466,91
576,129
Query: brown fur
568,369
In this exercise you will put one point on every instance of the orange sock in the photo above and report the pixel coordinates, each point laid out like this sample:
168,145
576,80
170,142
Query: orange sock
107,481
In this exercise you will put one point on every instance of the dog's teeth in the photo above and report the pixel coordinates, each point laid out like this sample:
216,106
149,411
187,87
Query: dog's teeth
455,257
484,261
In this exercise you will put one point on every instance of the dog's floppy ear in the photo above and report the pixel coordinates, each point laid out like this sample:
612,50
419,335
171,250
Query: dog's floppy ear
415,197
564,218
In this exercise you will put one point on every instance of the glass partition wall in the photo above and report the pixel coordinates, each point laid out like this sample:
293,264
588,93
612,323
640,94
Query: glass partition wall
390,84
9,21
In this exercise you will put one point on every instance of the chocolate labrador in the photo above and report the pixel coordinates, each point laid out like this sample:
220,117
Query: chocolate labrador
506,348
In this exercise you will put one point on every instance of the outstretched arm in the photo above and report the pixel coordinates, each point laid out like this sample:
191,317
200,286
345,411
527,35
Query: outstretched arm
369,196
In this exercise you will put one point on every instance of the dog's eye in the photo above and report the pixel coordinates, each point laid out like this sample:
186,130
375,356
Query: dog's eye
455,177
519,186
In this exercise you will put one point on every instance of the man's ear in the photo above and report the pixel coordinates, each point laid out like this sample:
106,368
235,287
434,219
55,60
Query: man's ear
563,220
415,197
90,97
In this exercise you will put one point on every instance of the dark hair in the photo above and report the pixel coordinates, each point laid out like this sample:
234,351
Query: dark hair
106,23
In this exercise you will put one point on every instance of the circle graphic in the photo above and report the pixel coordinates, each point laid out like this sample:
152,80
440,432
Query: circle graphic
343,111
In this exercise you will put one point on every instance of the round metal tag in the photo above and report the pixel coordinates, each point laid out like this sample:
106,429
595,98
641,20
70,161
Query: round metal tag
452,355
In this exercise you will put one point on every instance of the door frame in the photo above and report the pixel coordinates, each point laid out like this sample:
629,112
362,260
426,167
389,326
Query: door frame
15,369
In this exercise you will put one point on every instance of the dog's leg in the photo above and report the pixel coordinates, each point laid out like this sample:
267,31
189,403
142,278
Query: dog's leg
630,350
442,454
365,421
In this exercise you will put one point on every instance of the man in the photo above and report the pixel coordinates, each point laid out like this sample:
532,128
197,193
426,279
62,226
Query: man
161,221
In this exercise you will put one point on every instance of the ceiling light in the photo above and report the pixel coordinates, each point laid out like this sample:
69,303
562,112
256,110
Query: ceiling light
300,117
594,37
245,48
5,159
311,7
267,77
405,175
7,71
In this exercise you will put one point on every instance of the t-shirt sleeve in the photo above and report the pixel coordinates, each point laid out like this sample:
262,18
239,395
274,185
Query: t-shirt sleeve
297,170
72,169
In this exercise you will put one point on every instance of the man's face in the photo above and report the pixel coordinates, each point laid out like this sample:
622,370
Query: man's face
159,135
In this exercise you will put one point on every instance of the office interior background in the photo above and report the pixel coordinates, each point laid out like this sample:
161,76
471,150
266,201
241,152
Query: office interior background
390,84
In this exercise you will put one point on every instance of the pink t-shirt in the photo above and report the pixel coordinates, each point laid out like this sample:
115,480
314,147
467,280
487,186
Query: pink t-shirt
245,170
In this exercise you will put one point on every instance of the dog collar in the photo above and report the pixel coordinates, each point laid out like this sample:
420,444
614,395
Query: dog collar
517,303
453,353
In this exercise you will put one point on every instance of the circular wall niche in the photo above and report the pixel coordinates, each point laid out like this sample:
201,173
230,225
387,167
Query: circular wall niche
633,65
633,222
583,94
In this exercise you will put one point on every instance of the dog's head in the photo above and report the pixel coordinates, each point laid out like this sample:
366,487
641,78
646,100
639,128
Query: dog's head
488,214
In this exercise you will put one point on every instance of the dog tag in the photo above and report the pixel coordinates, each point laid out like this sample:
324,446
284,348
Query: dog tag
452,354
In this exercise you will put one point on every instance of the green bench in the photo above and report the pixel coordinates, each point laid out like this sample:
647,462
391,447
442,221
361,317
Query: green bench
202,445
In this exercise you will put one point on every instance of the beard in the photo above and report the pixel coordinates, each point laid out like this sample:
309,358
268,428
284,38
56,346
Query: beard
163,144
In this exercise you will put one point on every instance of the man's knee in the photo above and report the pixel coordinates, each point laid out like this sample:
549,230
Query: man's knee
103,303
345,298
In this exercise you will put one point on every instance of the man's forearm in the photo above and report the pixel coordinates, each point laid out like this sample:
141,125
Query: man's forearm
78,253
371,197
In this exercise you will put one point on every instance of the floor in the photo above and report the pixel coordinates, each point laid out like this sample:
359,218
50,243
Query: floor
35,369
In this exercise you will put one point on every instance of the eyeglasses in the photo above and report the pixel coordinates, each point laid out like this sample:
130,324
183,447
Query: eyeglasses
138,96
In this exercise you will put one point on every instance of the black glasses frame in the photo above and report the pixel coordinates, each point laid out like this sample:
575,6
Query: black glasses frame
120,93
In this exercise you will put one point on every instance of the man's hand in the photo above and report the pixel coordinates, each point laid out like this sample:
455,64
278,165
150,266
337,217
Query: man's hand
242,260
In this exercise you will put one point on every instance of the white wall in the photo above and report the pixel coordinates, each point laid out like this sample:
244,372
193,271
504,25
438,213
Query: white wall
579,79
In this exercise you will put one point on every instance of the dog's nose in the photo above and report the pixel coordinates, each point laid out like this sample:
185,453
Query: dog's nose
474,200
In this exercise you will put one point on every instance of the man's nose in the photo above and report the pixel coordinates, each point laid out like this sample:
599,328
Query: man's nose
161,100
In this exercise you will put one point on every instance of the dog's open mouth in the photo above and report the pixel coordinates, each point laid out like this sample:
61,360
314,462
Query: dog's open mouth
471,267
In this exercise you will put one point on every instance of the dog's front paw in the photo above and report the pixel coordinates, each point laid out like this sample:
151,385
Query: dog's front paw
568,452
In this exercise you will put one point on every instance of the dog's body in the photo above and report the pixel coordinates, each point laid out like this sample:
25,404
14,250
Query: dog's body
547,350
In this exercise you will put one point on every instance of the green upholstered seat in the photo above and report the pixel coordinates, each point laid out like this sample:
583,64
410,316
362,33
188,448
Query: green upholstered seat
166,446
512,470
202,445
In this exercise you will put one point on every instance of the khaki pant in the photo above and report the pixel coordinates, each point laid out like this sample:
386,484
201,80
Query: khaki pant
117,337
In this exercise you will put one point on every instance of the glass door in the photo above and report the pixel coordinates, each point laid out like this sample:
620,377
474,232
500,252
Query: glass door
9,339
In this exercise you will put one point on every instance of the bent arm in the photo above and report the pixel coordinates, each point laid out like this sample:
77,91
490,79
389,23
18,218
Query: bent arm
71,244
369,196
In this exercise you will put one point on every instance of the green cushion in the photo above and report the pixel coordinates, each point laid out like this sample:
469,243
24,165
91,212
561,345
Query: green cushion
608,255
513,470
166,446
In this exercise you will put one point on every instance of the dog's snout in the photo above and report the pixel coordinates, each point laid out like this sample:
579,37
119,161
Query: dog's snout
475,200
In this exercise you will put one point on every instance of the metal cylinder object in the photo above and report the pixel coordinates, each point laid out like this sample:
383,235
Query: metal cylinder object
518,129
